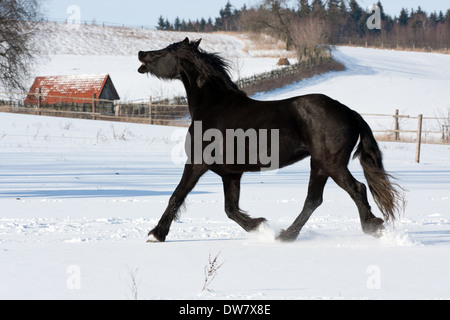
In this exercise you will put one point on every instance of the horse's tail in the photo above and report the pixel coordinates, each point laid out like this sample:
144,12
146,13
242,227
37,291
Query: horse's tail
384,192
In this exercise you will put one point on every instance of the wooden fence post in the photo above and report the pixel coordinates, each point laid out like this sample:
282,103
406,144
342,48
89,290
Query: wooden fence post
39,97
150,111
94,98
117,110
445,132
94,105
397,127
419,138
39,100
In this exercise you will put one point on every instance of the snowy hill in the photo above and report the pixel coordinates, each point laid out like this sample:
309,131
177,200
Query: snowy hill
90,40
95,49
380,81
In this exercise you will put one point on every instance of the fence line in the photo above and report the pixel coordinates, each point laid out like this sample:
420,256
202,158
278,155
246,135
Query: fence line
97,109
403,128
99,24
419,135
399,43
284,75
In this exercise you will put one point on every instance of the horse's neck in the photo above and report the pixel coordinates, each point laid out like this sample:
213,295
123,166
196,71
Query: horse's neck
203,97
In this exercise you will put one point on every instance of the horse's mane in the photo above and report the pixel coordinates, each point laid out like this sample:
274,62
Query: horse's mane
212,65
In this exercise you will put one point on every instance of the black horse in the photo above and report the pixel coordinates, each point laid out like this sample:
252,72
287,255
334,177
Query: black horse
313,126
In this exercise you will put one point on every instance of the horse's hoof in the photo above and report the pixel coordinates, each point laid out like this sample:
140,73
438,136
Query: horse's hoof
286,236
258,222
374,228
253,224
153,238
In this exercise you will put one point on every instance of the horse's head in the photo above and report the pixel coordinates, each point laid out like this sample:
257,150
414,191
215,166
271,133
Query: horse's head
165,63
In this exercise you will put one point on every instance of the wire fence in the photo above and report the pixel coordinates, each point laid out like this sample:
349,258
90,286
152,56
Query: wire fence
400,43
406,128
96,109
100,23
414,129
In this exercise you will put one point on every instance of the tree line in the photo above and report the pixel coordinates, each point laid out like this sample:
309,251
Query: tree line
228,20
333,22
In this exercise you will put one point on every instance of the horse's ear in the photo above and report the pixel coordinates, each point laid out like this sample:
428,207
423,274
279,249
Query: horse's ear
186,41
197,43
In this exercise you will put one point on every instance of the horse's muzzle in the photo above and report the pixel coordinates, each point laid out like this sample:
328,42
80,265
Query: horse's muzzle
143,69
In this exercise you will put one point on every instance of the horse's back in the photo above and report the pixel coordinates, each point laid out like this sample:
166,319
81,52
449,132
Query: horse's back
311,125
327,127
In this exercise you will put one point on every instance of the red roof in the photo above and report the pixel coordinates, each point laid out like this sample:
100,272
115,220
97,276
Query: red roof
74,88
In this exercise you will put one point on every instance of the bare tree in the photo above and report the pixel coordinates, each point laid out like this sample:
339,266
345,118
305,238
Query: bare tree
306,34
273,17
17,30
309,37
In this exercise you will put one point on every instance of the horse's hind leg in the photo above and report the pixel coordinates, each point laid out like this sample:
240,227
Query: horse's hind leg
232,189
358,192
314,199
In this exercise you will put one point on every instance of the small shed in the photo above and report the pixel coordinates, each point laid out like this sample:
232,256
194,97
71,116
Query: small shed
71,89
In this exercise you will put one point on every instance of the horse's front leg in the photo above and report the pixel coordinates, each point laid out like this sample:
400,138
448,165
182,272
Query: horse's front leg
192,174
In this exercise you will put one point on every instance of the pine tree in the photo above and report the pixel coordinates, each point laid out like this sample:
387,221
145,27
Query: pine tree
318,9
168,25
334,18
447,17
404,17
434,19
226,12
161,23
183,26
383,14
356,11
202,24
225,17
333,10
304,8
210,25
441,17
343,7
356,18
177,24
332,5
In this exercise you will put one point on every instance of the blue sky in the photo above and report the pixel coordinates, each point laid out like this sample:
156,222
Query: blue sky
146,12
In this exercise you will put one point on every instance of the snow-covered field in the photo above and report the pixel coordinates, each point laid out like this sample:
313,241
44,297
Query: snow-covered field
78,197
